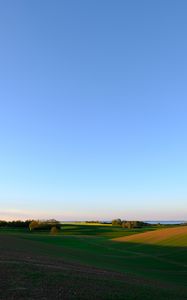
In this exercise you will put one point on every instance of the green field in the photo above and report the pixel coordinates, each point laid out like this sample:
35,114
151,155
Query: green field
86,262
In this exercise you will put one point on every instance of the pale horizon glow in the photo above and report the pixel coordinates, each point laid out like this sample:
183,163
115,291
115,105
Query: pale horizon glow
93,110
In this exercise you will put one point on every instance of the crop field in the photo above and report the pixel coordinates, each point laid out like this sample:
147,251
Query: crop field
89,262
176,236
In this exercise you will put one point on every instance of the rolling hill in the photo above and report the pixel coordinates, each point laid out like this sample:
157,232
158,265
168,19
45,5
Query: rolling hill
176,236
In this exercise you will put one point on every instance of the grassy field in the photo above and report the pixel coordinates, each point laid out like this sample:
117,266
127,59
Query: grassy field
88,262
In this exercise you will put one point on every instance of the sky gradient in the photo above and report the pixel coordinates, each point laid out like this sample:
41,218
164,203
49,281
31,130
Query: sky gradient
93,109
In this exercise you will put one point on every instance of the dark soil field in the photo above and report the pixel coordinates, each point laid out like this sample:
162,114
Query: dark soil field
83,262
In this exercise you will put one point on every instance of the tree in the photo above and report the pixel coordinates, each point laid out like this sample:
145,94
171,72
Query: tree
129,225
54,230
116,222
124,224
33,225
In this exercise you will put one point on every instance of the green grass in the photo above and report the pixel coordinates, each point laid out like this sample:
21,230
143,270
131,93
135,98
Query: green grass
131,258
93,246
107,231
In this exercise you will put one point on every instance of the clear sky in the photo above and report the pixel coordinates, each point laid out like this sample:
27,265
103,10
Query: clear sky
93,109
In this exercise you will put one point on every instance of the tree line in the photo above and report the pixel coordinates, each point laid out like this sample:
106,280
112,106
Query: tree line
128,224
32,224
17,223
45,225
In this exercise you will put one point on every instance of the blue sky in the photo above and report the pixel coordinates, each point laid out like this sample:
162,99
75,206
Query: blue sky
93,109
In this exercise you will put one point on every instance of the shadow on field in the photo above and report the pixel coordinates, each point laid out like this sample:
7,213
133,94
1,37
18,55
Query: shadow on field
87,268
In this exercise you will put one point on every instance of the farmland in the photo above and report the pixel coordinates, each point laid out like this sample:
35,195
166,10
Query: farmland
89,262
176,236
